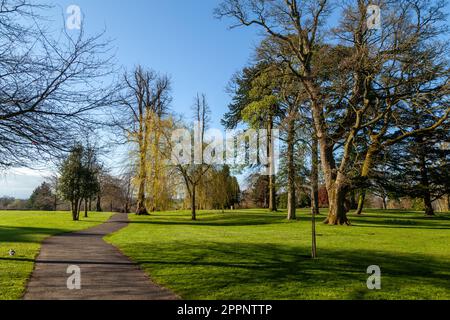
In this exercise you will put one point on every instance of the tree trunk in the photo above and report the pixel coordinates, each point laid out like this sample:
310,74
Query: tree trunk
90,204
365,174
292,201
429,211
55,203
141,210
337,212
315,175
314,241
79,208
361,200
75,210
193,213
272,190
85,208
99,204
425,185
384,203
353,204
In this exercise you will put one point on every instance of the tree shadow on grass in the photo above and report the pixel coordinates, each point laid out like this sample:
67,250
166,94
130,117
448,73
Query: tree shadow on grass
394,220
265,271
216,220
404,223
27,234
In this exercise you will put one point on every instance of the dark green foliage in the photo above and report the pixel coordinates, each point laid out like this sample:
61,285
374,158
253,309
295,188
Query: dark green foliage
43,198
419,167
78,179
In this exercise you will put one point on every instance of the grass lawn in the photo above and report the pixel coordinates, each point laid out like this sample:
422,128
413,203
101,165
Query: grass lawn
24,232
256,255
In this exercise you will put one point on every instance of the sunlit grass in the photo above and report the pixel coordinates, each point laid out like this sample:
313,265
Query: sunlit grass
252,254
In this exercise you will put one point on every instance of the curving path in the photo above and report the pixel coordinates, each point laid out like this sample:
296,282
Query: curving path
106,274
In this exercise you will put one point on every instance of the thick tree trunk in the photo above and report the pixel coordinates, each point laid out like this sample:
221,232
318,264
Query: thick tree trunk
193,212
361,200
337,214
140,208
334,182
315,175
292,201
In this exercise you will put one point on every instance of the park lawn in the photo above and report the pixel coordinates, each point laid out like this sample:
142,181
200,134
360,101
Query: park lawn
252,254
24,232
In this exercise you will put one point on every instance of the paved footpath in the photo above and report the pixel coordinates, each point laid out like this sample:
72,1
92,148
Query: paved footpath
106,274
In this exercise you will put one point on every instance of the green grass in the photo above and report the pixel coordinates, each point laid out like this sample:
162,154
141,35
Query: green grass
24,232
256,255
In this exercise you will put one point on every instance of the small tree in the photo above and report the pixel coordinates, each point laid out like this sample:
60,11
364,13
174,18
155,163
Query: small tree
77,180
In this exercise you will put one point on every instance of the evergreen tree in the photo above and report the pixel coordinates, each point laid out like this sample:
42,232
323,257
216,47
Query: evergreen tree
42,198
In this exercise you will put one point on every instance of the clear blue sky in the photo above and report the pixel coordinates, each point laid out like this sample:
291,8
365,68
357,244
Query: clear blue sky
180,38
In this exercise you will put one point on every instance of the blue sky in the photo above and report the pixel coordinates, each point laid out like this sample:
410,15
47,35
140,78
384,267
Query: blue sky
180,38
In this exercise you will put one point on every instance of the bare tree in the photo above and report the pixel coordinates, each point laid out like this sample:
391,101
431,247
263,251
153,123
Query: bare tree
194,171
49,89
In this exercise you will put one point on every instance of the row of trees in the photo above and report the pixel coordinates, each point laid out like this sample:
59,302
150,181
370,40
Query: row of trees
359,93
